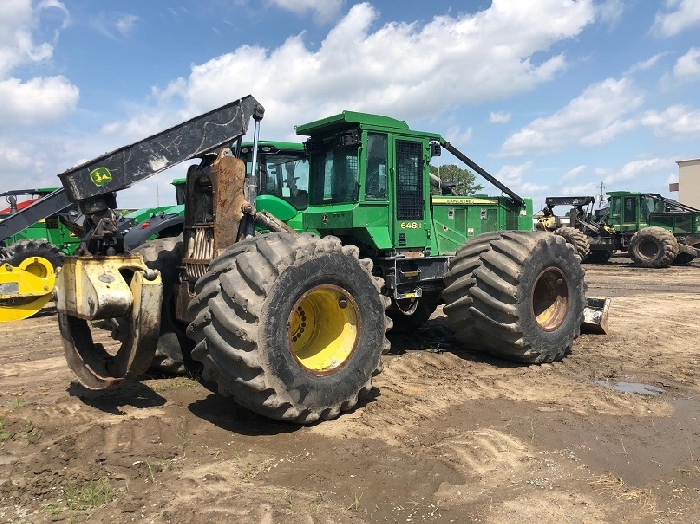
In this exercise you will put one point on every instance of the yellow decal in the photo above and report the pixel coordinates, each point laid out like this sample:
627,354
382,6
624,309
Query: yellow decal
410,225
100,176
464,201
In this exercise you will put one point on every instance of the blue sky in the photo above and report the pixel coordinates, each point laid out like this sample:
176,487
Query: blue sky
553,97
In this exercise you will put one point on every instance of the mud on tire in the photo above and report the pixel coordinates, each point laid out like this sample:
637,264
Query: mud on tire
653,247
291,326
173,351
516,295
577,239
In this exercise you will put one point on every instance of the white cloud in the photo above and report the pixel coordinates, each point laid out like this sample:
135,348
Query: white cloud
637,169
324,10
41,99
125,23
610,11
644,65
499,117
687,67
594,117
425,65
675,122
114,25
572,174
679,16
513,176
17,21
36,101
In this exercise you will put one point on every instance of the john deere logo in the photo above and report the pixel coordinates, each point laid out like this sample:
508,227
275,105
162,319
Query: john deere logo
100,176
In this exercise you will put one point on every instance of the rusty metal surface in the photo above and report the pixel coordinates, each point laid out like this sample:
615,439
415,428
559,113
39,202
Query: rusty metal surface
227,177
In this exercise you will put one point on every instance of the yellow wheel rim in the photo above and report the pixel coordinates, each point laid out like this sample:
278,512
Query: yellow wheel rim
550,299
323,329
37,266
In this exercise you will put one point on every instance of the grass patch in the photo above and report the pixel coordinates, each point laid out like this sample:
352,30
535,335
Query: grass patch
188,381
616,487
355,506
89,495
4,434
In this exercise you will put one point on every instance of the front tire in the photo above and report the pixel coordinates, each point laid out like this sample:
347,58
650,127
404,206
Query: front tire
516,295
293,327
653,247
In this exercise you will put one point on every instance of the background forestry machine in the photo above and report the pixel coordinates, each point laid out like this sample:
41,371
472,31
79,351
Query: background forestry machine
654,230
292,324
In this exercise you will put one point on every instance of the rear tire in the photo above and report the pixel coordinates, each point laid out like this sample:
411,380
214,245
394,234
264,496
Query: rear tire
653,247
577,239
174,348
517,295
291,326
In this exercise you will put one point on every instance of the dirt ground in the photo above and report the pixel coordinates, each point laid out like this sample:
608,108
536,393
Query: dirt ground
610,434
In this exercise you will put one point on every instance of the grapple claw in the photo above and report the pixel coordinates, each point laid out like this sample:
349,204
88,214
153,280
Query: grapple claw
94,367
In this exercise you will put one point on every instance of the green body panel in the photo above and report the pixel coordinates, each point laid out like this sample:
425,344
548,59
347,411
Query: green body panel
629,212
50,229
458,218
274,205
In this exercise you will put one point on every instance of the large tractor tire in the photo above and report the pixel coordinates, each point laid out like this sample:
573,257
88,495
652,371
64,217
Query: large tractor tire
577,239
20,251
653,247
408,315
517,295
174,348
291,326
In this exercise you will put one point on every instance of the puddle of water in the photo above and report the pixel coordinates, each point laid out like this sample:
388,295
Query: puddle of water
632,387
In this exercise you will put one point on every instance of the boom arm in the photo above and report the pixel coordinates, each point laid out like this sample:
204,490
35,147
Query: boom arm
94,183
464,158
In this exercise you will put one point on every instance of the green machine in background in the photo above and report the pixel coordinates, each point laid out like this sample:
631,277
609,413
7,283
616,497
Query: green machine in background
654,230
50,229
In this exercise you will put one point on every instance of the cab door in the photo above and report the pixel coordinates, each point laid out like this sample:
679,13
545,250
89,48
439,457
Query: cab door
410,229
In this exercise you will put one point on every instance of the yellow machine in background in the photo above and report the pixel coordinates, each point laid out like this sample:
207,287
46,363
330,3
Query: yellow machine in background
26,288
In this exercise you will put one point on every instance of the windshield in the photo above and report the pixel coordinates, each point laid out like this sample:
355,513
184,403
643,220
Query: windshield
285,175
335,176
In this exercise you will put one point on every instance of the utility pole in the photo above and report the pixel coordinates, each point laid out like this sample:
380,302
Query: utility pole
158,196
601,195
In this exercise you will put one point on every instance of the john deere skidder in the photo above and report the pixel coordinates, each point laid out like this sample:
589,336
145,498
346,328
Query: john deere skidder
293,325
654,230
